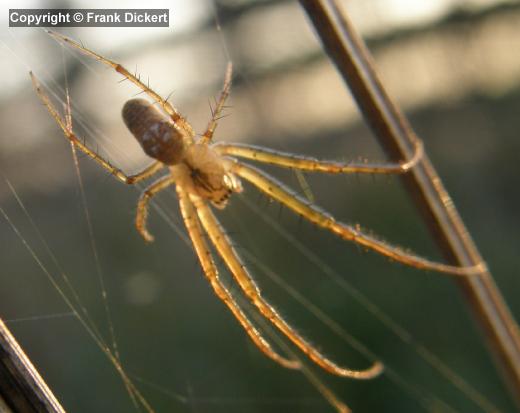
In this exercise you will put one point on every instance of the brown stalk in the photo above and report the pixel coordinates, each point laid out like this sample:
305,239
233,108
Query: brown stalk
350,55
21,387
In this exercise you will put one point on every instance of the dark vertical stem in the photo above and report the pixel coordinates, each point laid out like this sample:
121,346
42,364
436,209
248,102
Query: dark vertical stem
21,387
352,58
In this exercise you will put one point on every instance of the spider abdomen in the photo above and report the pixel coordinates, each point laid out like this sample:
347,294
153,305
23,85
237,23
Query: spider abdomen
159,138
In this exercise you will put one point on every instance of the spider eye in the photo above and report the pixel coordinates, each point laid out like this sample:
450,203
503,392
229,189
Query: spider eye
158,137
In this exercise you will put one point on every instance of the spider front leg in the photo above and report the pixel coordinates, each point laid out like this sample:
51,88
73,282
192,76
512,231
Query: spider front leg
210,130
307,163
144,199
293,201
175,116
65,125
251,290
210,271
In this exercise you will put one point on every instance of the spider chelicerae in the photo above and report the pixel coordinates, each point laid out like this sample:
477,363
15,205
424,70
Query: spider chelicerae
206,173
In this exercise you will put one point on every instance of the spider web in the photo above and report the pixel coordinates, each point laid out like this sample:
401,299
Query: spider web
176,341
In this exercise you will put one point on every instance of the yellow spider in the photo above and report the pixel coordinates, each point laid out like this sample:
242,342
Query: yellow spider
207,173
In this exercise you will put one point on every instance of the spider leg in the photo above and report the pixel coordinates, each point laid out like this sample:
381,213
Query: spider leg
65,125
251,290
311,164
210,271
208,135
293,201
175,116
142,206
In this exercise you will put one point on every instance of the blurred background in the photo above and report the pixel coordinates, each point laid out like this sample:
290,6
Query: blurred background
452,65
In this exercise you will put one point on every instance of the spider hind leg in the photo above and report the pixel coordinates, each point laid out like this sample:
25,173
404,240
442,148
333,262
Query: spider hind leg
210,271
239,272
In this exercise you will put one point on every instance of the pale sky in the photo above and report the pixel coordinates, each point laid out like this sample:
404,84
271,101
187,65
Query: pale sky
372,17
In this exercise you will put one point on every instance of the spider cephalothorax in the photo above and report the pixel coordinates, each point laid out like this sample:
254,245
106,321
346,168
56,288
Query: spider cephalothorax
203,172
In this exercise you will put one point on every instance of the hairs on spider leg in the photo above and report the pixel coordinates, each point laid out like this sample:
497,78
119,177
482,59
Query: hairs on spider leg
169,96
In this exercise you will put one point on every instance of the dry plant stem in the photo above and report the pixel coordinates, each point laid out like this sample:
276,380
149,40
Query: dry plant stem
21,387
351,57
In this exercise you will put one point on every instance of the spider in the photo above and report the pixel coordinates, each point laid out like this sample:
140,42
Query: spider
206,173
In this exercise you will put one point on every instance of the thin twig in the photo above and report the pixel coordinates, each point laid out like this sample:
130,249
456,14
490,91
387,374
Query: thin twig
352,58
21,387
